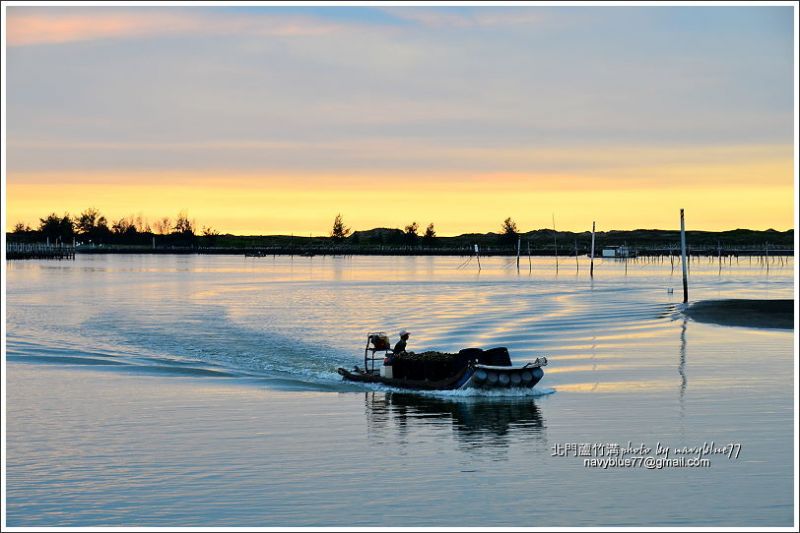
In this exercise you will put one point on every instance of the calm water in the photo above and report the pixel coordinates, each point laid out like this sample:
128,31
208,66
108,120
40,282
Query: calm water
201,390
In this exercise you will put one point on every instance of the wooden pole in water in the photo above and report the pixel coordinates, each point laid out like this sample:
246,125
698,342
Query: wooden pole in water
577,268
519,244
555,240
530,265
591,263
625,258
683,260
478,256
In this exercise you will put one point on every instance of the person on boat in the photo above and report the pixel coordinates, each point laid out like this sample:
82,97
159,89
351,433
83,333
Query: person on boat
400,347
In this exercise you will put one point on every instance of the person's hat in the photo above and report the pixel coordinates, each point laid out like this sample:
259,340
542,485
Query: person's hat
404,332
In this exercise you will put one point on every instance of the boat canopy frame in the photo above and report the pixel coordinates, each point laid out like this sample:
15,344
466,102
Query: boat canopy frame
370,356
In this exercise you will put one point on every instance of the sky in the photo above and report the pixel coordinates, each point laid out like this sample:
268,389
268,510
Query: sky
272,120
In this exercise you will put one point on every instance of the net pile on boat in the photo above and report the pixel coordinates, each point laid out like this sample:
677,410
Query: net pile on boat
437,366
432,366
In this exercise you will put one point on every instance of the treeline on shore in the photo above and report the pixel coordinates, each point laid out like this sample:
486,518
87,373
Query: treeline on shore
91,229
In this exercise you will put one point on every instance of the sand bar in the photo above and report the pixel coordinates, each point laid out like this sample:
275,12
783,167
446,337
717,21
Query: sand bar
777,314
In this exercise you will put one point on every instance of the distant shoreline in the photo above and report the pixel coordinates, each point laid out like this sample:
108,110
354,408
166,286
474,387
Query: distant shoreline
395,242
36,251
307,251
772,314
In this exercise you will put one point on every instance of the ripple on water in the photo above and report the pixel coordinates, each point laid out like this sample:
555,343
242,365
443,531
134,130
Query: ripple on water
276,320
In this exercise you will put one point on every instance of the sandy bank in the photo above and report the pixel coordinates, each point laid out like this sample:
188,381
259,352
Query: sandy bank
748,313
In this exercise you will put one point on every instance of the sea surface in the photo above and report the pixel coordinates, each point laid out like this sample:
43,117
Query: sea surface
169,390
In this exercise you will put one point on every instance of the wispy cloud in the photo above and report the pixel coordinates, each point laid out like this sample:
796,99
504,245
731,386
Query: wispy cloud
482,17
26,26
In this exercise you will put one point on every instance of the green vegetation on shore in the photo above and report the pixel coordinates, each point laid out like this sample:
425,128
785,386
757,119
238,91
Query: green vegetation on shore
93,232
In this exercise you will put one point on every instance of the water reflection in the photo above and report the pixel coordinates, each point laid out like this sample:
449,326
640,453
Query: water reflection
682,359
682,372
474,422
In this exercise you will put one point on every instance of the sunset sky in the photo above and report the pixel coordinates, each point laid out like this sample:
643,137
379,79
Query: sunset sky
271,120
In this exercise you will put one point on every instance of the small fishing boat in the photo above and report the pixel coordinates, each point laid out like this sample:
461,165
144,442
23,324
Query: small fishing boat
255,253
469,368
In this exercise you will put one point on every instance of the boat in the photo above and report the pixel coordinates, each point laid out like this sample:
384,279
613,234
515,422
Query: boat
471,368
618,252
255,253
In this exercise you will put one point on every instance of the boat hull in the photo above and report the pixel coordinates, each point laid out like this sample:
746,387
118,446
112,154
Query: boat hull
471,377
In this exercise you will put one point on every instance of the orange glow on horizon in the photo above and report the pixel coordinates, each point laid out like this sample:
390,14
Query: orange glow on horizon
728,198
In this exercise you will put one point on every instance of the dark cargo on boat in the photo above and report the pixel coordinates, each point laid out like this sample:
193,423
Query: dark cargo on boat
469,368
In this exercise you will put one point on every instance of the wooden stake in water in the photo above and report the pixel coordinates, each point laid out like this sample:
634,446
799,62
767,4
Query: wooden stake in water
478,256
591,263
519,244
577,268
530,265
683,261
555,240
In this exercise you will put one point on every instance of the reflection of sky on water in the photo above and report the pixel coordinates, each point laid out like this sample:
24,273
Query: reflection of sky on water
278,438
300,318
